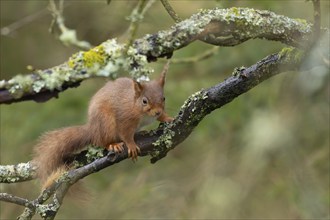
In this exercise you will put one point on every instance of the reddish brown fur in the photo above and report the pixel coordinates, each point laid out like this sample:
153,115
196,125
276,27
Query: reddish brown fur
114,114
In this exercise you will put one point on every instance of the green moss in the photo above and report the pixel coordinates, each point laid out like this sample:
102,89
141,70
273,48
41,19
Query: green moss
235,11
285,51
302,22
291,54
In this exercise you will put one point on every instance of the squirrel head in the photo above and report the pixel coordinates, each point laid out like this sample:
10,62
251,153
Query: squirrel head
150,95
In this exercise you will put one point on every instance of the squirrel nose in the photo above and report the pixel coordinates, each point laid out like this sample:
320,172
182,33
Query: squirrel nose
157,113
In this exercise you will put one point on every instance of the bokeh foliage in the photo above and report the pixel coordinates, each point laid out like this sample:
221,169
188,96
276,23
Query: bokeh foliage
265,155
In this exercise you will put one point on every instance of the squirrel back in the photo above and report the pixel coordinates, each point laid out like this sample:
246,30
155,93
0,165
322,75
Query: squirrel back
112,106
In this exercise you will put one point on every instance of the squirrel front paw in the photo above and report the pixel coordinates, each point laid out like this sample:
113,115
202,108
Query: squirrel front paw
116,147
165,118
169,119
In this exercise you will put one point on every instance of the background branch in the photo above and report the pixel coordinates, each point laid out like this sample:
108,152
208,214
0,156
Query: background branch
317,18
136,17
171,11
228,26
68,36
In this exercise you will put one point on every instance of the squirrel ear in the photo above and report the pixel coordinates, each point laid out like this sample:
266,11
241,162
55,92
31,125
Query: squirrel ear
138,87
163,74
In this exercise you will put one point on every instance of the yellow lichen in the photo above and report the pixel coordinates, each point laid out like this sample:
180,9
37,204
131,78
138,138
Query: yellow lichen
71,63
94,56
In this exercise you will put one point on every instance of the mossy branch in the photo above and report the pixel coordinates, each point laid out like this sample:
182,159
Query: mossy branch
221,27
17,173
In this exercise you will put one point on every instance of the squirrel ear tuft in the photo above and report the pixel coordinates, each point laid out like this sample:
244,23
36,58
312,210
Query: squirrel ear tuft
138,87
163,74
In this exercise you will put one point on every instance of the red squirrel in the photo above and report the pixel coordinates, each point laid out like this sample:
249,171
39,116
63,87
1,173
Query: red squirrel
114,114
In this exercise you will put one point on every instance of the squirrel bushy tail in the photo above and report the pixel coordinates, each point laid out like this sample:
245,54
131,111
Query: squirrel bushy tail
54,147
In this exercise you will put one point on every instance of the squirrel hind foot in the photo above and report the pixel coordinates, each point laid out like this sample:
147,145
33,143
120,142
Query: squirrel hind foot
134,153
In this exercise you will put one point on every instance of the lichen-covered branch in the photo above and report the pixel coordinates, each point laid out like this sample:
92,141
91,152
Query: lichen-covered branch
221,27
16,200
17,173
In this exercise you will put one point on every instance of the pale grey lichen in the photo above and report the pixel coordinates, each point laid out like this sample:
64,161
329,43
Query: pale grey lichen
137,63
94,153
17,173
38,85
2,83
43,210
165,139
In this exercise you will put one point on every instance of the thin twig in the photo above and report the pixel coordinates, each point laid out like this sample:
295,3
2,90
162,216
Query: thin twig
7,30
171,11
317,19
136,17
6,197
214,50
68,36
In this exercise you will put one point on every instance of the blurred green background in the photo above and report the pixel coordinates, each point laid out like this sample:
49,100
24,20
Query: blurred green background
264,155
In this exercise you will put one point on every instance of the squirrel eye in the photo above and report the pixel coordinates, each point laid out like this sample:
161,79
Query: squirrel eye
163,99
144,101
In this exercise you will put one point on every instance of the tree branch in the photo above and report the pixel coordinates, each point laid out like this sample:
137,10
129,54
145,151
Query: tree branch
221,27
